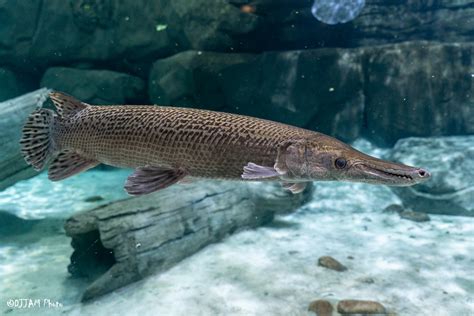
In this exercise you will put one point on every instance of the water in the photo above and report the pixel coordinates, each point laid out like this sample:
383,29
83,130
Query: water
394,80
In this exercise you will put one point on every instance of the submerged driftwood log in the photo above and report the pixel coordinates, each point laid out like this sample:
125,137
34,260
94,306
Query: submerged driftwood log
136,237
13,114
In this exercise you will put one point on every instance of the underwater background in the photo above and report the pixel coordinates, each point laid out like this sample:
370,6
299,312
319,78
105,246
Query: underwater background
393,78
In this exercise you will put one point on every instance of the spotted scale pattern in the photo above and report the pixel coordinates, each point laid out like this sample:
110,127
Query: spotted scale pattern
204,143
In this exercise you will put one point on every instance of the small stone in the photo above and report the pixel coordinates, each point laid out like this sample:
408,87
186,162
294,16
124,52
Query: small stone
350,257
360,307
321,308
94,198
394,208
367,280
331,263
414,216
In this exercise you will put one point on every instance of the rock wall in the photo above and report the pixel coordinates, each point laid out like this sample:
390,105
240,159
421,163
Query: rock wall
392,21
96,86
381,92
12,85
419,89
400,69
106,31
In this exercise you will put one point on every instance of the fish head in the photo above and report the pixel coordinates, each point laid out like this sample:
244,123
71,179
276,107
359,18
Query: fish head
328,159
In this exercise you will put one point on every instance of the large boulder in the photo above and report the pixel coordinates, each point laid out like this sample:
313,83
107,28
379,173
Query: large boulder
193,79
96,86
13,114
418,89
319,89
451,162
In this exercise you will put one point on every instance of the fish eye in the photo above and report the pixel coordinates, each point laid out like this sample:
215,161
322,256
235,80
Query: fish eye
340,163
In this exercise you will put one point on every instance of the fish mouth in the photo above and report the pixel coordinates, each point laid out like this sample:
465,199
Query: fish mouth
395,175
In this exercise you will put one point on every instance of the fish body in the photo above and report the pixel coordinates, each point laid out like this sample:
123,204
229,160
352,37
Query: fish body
166,144
206,144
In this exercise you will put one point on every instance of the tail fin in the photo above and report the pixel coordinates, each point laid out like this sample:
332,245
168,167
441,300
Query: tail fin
36,143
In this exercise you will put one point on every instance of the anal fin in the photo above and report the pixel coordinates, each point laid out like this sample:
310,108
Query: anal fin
69,163
150,179
295,188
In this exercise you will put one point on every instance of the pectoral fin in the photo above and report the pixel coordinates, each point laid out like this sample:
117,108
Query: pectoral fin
295,188
150,179
69,163
253,171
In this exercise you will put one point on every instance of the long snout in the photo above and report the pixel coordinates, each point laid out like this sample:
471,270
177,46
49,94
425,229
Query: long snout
373,170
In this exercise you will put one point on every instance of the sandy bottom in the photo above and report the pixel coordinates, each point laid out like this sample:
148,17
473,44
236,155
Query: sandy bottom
40,198
411,268
416,269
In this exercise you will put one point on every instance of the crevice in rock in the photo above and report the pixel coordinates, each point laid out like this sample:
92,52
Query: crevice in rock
90,258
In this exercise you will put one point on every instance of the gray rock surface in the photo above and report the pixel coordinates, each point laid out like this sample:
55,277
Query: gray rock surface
135,31
149,234
419,89
96,30
450,160
194,78
106,30
383,21
11,85
201,24
289,24
320,89
13,114
96,86
382,92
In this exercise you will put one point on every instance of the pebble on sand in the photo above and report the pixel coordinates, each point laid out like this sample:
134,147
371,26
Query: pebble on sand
360,307
414,216
394,208
94,198
321,308
331,263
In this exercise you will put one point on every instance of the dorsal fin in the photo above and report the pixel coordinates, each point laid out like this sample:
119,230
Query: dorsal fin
65,104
